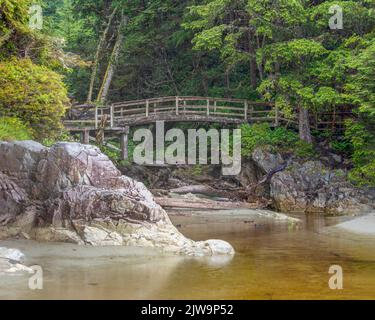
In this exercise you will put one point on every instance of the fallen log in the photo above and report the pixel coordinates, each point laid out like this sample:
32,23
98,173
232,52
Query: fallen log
203,204
197,189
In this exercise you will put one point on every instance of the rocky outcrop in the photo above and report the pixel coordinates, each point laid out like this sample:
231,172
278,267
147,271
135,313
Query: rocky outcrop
266,159
311,187
74,193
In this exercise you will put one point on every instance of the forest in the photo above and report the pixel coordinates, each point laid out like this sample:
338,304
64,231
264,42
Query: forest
293,53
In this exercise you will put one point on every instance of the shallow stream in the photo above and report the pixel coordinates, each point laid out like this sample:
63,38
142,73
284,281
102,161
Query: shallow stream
275,260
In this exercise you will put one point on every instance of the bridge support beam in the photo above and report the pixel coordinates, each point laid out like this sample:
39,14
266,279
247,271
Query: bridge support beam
124,142
85,136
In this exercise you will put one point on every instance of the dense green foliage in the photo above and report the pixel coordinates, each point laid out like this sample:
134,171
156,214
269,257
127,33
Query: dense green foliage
29,88
362,133
281,139
13,129
34,94
281,51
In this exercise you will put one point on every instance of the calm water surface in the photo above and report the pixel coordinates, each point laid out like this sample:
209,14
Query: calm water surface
273,261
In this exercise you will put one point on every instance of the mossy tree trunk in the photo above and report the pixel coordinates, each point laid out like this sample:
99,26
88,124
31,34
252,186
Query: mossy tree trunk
113,60
304,125
98,54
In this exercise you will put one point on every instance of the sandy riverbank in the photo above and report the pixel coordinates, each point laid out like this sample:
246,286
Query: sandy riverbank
364,225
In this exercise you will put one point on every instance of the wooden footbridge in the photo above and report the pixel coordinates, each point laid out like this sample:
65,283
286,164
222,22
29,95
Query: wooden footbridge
117,118
171,109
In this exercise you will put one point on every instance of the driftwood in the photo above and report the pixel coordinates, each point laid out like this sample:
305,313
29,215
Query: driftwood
249,191
267,178
203,204
199,189
239,194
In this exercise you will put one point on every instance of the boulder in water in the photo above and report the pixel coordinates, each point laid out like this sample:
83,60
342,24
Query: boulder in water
74,193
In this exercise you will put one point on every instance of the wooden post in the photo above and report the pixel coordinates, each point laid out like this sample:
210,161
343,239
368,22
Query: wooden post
124,140
185,104
177,105
85,136
112,116
215,106
246,109
96,118
277,117
208,107
251,109
147,108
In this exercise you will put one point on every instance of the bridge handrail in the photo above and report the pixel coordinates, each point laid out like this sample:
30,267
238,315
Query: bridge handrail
207,108
180,104
172,99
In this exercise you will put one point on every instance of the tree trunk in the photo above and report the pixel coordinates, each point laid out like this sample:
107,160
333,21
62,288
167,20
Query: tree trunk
304,125
253,62
253,73
97,56
103,93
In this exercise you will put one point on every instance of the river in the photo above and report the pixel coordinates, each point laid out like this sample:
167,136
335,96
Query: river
274,260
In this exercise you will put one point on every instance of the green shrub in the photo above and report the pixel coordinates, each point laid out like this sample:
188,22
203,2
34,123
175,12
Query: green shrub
304,150
64,136
13,129
280,139
363,158
113,155
35,95
343,146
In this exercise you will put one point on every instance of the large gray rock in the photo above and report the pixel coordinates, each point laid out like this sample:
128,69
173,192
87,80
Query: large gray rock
74,193
266,159
11,254
310,187
12,199
11,261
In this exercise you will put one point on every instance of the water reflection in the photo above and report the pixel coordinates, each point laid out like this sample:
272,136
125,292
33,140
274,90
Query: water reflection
274,260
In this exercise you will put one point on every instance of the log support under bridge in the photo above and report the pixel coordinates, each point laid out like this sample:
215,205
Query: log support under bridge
85,136
124,143
121,133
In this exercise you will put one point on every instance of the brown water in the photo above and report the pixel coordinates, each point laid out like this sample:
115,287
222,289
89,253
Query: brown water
273,261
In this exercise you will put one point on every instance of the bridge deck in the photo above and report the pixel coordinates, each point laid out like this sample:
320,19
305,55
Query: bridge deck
171,109
186,109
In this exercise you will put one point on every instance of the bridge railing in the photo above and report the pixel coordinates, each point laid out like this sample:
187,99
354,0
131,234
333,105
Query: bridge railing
116,114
